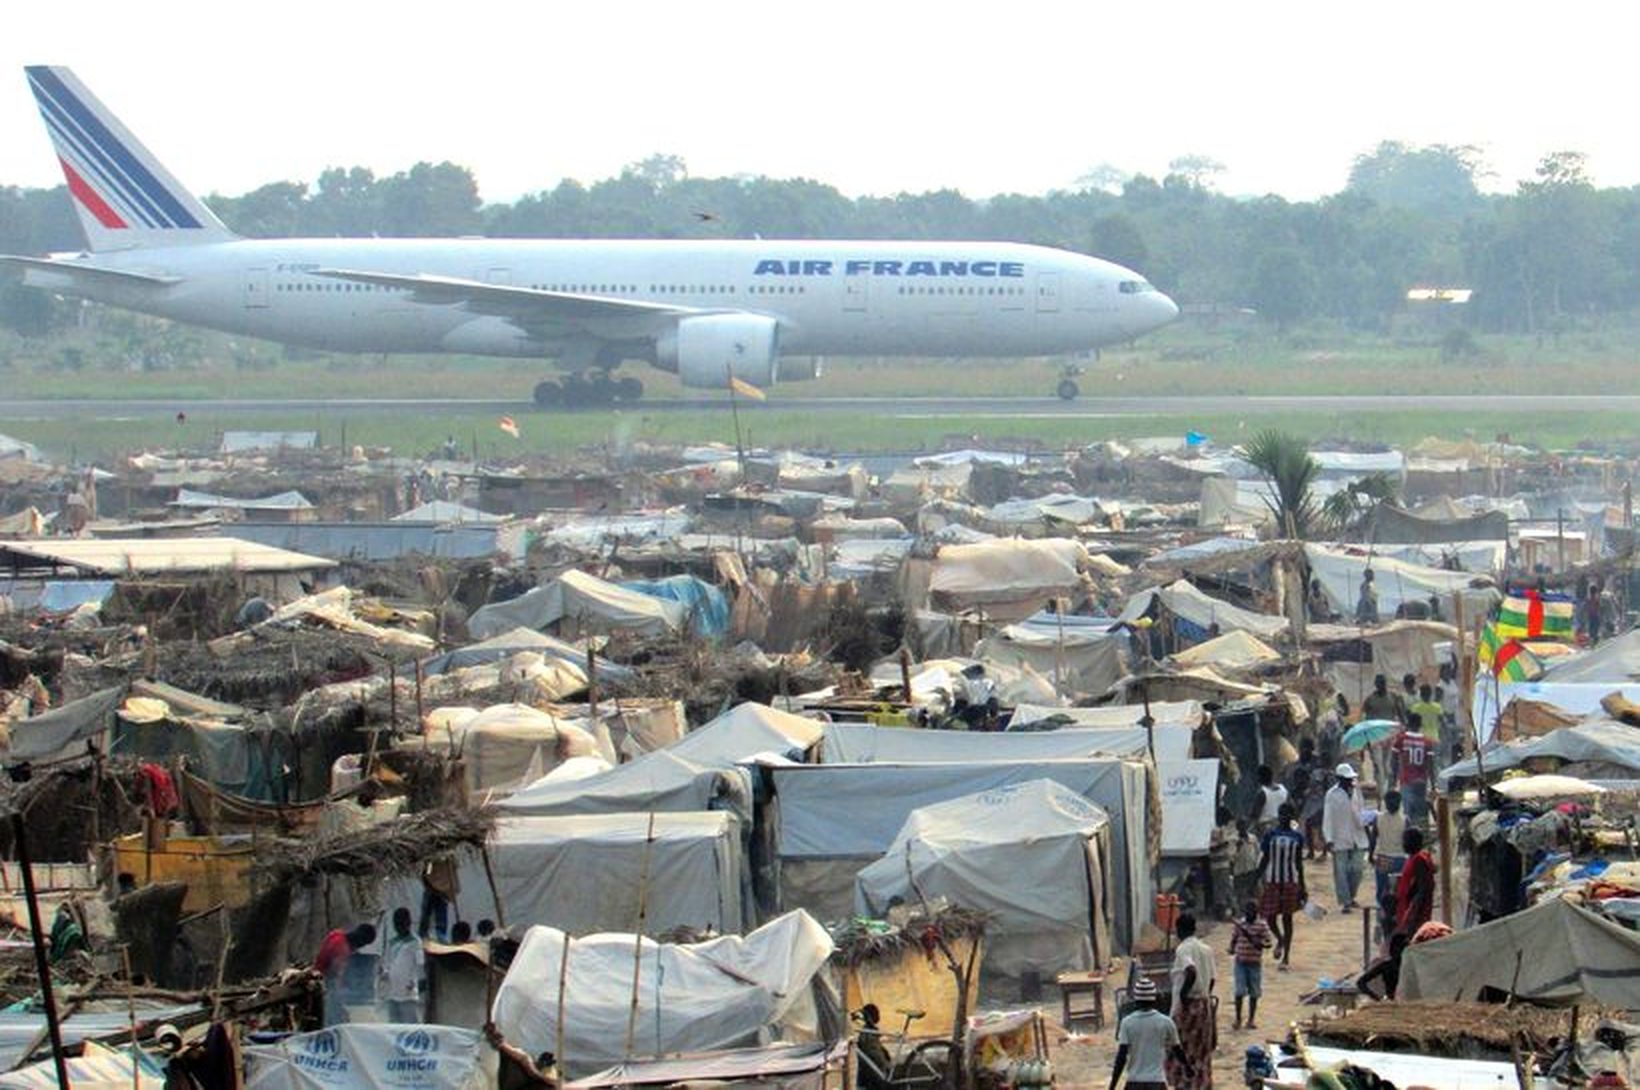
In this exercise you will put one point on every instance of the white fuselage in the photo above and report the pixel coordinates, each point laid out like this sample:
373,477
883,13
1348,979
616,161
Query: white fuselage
830,298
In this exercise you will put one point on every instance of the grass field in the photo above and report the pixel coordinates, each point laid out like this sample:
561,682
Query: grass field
606,435
1181,361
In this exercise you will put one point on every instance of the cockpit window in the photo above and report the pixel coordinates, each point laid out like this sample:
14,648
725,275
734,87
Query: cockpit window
1134,287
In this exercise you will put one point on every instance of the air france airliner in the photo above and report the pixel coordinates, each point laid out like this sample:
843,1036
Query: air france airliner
757,311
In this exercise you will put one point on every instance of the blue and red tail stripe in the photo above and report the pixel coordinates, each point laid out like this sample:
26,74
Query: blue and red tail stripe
118,181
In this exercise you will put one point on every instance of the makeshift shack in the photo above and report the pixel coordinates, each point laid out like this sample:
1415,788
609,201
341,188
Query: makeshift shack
580,603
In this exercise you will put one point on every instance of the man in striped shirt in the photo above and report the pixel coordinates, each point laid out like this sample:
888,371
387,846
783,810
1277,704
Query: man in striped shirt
1281,867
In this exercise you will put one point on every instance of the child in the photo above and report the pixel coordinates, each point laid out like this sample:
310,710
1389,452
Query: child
1244,862
1249,938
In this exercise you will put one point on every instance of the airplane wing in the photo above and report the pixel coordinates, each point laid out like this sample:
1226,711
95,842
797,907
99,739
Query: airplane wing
89,274
535,311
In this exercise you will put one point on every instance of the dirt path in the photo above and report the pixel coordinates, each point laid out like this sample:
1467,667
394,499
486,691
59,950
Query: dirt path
1328,948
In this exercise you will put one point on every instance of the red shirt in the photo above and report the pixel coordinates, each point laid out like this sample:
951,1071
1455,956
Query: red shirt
1415,893
333,954
1412,752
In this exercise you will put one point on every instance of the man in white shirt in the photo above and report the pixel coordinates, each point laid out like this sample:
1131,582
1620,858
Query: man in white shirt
1345,832
402,967
1145,1040
1193,1008
1267,803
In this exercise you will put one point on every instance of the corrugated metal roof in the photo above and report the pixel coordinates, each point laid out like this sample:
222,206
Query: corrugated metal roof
152,556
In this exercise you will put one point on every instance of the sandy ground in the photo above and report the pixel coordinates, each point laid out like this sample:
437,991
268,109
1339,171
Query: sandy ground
1330,947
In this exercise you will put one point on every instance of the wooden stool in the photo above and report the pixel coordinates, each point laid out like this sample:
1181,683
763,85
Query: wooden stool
1082,996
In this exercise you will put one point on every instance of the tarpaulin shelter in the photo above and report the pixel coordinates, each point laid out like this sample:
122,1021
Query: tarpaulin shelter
1200,612
1234,650
503,746
1616,660
1007,576
706,608
659,781
1397,581
1033,856
862,743
1554,952
371,1057
63,732
505,645
583,873
97,1067
1576,698
728,992
786,1067
1601,742
836,819
1080,657
745,731
588,603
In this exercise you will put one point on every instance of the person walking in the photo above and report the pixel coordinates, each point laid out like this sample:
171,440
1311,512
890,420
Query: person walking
1268,801
1345,832
1193,979
335,952
1249,938
1147,1042
1411,754
1387,830
402,969
1282,869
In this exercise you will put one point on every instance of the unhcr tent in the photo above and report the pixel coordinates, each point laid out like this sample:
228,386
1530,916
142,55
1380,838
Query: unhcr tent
725,993
835,819
582,874
589,603
861,743
1553,952
371,1057
1034,856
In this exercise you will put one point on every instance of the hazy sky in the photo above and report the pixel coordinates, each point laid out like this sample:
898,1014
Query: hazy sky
873,97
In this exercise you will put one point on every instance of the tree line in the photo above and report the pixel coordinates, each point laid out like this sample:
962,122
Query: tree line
1554,251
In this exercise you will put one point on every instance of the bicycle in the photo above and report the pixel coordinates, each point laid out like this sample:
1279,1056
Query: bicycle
926,1065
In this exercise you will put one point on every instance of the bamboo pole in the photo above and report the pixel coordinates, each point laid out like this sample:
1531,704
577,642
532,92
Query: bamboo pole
637,938
131,1015
42,964
563,987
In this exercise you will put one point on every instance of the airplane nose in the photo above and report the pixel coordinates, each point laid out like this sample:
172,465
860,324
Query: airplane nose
1167,309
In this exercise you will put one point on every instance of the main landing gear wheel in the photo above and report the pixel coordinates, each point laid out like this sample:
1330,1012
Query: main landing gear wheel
1068,389
589,390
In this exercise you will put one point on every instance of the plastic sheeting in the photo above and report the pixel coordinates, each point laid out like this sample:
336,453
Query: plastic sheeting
371,1057
725,993
96,1068
506,745
859,743
590,602
1031,855
1182,599
283,501
658,781
581,874
745,731
1080,658
1614,662
1397,582
1007,570
1553,952
705,606
62,732
1577,697
1603,741
1190,792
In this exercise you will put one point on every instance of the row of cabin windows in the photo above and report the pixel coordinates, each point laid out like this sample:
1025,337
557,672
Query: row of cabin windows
315,286
594,289
960,291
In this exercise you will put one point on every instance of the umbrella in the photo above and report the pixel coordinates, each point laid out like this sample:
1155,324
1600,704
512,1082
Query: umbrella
1546,787
1368,731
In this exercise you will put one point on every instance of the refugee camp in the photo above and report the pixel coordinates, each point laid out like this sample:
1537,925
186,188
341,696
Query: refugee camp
1048,547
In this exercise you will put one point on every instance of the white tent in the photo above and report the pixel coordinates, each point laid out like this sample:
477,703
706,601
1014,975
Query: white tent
836,819
582,874
1034,856
1080,658
505,745
1397,582
589,603
371,1057
745,731
1007,571
660,781
725,993
861,743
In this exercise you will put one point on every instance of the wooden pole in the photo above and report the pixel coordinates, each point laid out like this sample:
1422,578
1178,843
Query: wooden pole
495,894
637,938
1443,837
592,686
905,673
131,1014
42,964
563,987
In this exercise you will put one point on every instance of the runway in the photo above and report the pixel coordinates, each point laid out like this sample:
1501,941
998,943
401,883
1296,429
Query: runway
976,408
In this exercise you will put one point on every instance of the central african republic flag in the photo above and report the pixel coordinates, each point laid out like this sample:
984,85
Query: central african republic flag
1534,615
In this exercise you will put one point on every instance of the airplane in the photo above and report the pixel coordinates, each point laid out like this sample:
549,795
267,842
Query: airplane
757,311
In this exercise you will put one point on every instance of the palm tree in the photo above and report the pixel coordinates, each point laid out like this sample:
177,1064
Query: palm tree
1285,463
1344,509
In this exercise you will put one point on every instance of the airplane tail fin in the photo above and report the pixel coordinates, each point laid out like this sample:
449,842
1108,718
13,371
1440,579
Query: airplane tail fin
124,197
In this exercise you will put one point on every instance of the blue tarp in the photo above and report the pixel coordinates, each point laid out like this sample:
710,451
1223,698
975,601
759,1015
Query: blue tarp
62,596
708,606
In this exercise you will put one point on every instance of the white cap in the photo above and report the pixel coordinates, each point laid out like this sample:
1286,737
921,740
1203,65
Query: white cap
1344,771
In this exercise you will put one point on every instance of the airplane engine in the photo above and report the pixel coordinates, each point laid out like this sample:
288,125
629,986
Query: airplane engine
706,350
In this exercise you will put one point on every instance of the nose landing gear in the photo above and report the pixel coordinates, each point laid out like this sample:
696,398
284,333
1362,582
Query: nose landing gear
1067,388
